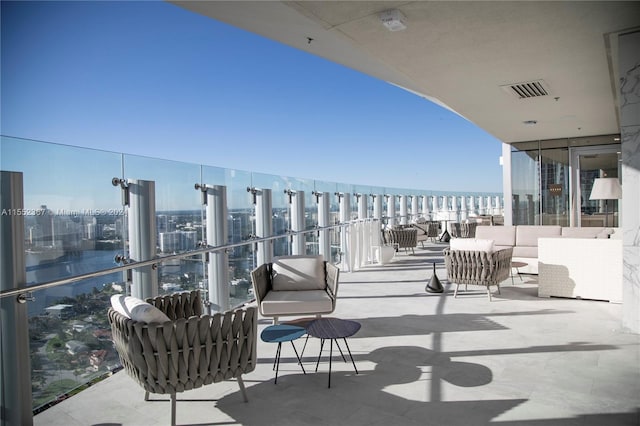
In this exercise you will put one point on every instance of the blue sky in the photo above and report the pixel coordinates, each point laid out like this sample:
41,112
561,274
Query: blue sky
153,79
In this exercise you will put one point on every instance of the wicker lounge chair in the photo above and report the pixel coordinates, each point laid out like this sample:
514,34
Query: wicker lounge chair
188,351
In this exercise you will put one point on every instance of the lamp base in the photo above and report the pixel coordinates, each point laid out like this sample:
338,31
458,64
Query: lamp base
434,285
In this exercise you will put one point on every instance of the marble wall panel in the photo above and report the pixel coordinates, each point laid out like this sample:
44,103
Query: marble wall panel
629,69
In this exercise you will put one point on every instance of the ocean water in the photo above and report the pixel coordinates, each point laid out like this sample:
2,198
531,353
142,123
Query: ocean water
49,265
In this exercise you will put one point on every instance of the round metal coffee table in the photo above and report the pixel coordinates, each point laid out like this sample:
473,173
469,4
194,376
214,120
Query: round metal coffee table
333,329
283,333
517,266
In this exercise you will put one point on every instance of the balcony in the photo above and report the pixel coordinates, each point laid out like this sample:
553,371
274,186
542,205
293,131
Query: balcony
422,357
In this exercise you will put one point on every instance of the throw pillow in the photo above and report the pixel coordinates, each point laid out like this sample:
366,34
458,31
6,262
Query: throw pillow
298,273
137,309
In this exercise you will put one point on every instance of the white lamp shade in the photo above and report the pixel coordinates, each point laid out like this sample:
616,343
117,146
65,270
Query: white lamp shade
606,189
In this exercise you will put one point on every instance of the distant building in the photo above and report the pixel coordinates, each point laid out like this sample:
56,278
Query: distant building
60,311
75,347
102,334
97,358
169,242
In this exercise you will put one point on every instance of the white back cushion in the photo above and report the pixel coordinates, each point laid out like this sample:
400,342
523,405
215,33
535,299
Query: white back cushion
471,244
137,310
298,273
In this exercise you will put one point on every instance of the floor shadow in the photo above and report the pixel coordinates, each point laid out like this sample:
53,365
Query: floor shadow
377,396
300,399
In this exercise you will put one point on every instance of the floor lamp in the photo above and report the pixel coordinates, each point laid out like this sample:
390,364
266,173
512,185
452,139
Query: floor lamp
606,189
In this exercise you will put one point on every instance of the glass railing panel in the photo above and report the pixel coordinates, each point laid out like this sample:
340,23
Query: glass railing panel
280,205
70,340
179,217
73,216
310,212
241,226
325,186
347,188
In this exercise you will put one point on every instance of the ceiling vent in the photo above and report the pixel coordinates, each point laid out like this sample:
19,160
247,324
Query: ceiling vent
528,89
394,20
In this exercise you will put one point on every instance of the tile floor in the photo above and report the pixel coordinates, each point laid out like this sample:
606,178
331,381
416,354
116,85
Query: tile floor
424,359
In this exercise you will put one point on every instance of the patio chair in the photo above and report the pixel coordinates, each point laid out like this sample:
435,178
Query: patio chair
468,229
167,346
455,229
482,267
295,286
406,238
427,230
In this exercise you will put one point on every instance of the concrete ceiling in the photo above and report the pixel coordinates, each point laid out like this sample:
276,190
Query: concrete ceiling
459,54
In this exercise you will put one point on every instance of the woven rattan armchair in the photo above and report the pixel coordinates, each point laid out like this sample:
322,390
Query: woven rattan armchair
483,268
427,230
189,351
406,238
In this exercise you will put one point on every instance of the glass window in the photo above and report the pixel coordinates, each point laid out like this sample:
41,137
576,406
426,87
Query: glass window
525,184
554,182
597,212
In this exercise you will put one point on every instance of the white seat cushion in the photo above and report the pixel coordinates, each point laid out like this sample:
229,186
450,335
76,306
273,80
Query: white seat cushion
471,244
296,302
137,309
298,273
502,235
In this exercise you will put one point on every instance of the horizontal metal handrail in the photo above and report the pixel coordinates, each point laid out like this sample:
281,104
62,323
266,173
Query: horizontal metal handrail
142,263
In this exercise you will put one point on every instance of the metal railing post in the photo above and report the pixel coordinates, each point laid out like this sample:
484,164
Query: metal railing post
142,236
391,209
415,207
264,225
425,207
404,210
217,235
15,366
464,214
377,206
345,217
297,223
324,219
363,207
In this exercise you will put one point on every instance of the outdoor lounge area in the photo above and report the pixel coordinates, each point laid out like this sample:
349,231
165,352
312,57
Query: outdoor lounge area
115,183
423,359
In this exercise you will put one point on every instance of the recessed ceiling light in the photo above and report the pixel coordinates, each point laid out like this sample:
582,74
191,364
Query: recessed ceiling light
530,122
